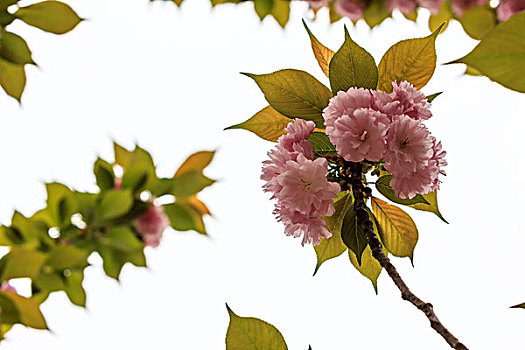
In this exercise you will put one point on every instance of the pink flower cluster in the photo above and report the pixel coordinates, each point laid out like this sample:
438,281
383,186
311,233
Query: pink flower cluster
508,8
299,184
151,224
375,126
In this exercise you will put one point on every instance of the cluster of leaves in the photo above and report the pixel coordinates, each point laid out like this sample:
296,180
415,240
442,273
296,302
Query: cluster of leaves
297,94
52,247
50,15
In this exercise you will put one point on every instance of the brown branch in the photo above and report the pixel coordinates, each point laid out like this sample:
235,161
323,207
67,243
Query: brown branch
377,252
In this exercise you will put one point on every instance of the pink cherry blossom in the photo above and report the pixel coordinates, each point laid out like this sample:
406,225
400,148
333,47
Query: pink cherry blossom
317,4
289,146
405,99
312,227
5,286
508,8
352,9
407,183
460,6
408,144
432,5
305,188
345,103
438,157
405,6
360,135
151,224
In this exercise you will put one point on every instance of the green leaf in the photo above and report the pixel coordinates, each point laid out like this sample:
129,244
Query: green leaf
189,183
370,267
5,17
413,60
383,186
60,202
18,309
12,79
114,260
104,175
248,333
322,54
51,16
139,169
397,229
321,144
263,7
281,11
114,203
21,262
519,306
431,198
295,94
352,66
123,239
353,235
184,217
267,124
501,54
67,257
375,13
14,49
478,21
29,232
334,246
74,289
432,97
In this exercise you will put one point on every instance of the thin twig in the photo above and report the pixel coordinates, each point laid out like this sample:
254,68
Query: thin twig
377,252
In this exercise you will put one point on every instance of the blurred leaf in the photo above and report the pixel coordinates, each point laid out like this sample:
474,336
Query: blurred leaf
60,202
114,203
370,267
12,79
67,257
114,260
27,310
472,71
139,170
218,2
197,204
267,124
281,11
184,217
104,174
478,21
519,306
501,54
123,239
334,16
51,16
189,183
122,156
197,162
334,246
443,16
14,49
247,333
398,231
295,94
321,144
352,66
413,60
375,13
383,186
353,235
412,16
34,233
21,262
431,198
263,7
5,17
74,289
322,54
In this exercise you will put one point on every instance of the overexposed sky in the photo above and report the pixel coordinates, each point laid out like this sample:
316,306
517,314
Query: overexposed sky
167,79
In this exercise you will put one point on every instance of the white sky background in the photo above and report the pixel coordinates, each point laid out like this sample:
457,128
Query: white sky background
168,79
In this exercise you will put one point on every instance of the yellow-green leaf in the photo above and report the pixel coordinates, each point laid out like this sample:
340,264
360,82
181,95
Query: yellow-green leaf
295,94
413,60
322,54
12,79
370,267
375,13
519,306
281,11
184,217
352,66
501,54
478,21
21,262
263,7
196,162
443,16
267,124
114,203
27,310
334,246
248,333
51,16
66,257
431,198
397,229
14,49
